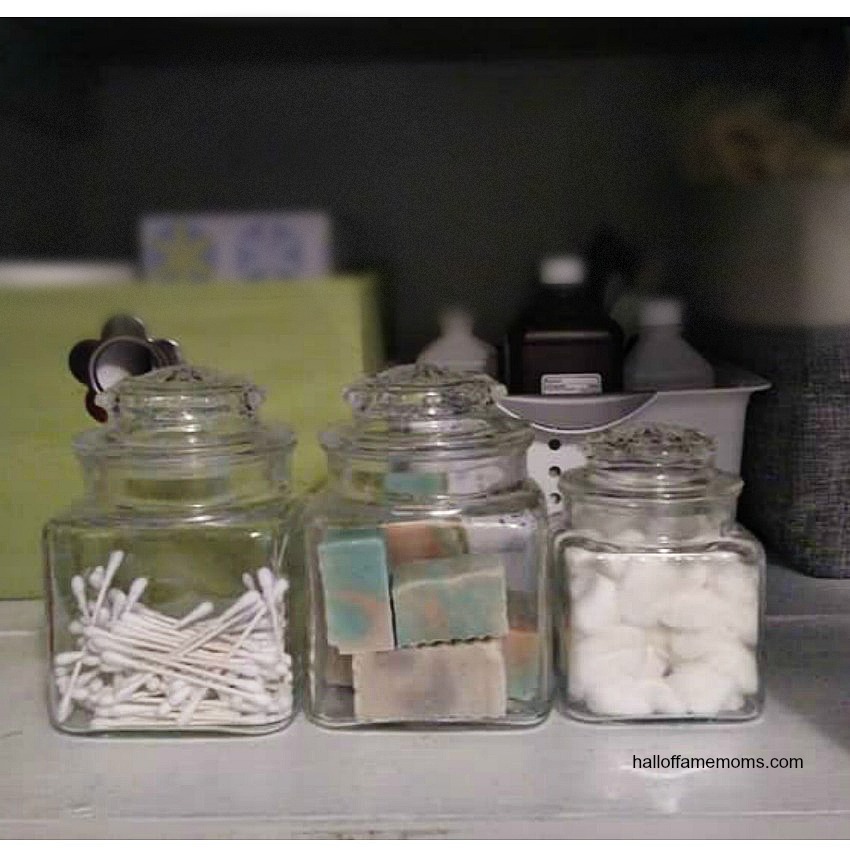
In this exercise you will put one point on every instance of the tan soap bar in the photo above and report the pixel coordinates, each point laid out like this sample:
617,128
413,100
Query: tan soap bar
522,659
464,680
337,668
415,541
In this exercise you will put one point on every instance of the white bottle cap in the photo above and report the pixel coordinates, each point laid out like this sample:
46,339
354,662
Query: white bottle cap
657,312
566,270
454,320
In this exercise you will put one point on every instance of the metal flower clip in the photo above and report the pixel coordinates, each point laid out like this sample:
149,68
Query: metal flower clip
124,349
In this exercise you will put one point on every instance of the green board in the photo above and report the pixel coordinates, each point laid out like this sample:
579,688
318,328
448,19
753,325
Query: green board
301,341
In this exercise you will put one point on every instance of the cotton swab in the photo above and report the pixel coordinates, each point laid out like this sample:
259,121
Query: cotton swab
137,668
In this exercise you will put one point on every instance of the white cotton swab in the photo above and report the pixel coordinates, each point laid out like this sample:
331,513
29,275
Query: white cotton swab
244,602
112,565
137,668
96,577
207,679
137,588
115,559
117,600
267,583
191,707
197,613
78,588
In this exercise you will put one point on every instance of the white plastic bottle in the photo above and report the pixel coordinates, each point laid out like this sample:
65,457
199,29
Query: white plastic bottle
661,359
457,347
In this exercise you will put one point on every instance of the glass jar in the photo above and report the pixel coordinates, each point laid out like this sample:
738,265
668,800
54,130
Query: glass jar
167,588
426,556
660,592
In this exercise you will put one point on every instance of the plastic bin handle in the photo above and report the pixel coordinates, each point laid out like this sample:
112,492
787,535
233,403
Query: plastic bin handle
576,414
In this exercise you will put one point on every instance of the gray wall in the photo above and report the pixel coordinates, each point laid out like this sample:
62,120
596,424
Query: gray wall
450,178
37,184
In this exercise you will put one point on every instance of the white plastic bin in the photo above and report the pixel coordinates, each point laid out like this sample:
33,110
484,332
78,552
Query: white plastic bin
562,422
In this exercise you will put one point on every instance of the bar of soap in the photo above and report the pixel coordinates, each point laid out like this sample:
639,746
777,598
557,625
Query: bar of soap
513,536
463,681
416,541
353,568
522,662
338,668
414,483
447,599
522,646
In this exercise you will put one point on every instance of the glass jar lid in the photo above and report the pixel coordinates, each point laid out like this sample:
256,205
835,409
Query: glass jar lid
426,408
182,410
650,460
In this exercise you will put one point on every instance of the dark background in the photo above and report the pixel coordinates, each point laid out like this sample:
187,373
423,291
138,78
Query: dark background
450,153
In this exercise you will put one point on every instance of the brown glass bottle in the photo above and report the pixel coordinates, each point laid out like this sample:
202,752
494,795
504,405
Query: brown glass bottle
564,344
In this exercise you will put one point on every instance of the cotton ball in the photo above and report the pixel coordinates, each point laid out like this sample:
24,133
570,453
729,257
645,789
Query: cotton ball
694,572
654,663
722,651
614,564
743,621
646,589
580,572
734,580
622,651
619,651
694,609
662,698
734,703
658,637
596,609
738,662
582,563
703,689
576,685
618,638
690,646
618,697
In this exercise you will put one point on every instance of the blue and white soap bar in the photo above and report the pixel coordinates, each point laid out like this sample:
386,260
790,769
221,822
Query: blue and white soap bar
356,589
445,599
236,246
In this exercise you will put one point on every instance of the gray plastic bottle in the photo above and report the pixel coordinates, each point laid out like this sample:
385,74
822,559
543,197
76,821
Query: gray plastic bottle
661,359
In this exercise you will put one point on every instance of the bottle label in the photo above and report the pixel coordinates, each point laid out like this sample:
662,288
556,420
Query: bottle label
578,383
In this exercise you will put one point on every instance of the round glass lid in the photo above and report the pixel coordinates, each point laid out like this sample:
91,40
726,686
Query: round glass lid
183,407
656,459
422,407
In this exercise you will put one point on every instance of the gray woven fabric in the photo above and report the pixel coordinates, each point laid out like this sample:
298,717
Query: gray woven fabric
796,464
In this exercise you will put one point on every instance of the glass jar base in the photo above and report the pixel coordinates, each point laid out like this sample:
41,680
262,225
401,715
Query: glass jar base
520,715
751,710
221,731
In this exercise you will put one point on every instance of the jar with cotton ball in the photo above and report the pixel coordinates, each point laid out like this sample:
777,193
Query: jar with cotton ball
169,583
660,592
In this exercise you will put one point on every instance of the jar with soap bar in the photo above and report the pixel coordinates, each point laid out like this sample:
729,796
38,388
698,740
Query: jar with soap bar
427,560
168,585
660,593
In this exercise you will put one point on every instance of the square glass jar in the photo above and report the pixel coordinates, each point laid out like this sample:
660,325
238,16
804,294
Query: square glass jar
168,585
427,561
659,592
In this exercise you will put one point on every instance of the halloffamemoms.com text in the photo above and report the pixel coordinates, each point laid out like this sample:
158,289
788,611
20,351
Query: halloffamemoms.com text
720,762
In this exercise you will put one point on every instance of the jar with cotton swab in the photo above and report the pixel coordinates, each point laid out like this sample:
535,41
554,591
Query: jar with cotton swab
170,598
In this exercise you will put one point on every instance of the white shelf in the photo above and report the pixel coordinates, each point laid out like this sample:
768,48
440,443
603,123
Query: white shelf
562,779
